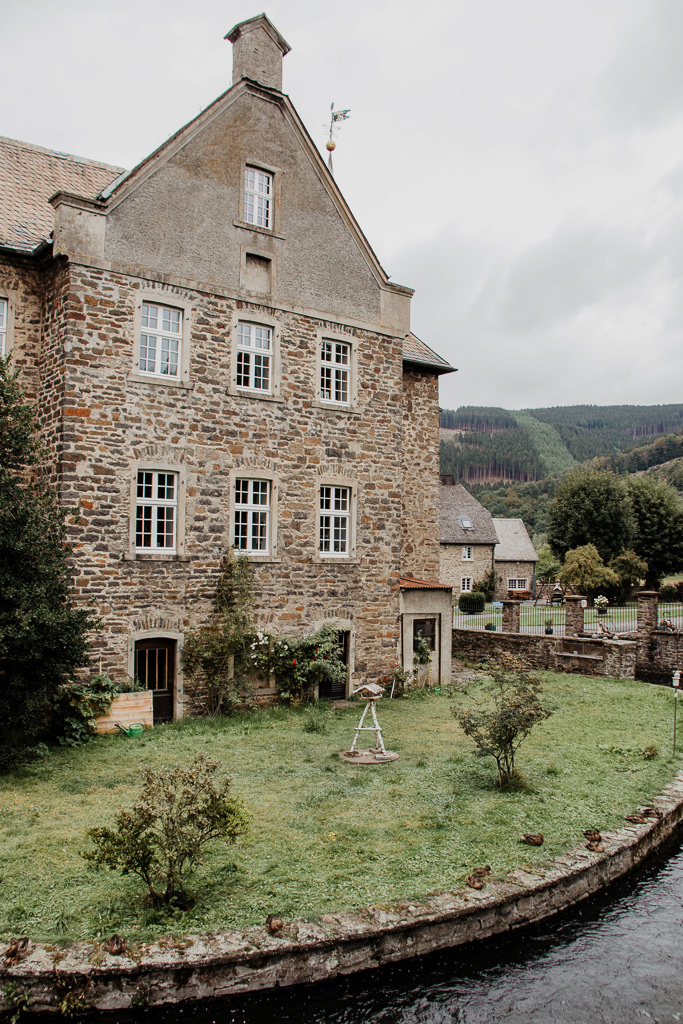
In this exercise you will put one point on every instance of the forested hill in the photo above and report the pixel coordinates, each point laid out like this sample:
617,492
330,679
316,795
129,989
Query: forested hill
481,444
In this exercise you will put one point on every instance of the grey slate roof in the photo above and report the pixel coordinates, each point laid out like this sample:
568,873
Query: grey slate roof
29,176
415,351
457,504
514,544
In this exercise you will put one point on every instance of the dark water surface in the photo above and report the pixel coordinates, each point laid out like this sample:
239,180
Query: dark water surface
615,959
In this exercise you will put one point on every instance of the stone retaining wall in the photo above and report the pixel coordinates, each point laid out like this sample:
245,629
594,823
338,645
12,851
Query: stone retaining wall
228,963
587,657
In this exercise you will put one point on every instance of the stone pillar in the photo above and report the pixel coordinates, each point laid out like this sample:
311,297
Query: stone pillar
573,614
511,616
647,611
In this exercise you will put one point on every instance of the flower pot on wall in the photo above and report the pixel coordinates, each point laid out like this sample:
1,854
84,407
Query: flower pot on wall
491,626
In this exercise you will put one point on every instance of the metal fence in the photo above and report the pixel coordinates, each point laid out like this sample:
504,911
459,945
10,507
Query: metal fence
537,618
670,612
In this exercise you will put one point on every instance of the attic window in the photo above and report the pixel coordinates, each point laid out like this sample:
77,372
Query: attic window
466,522
258,197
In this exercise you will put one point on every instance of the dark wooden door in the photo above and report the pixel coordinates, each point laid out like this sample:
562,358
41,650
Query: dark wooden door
337,691
155,661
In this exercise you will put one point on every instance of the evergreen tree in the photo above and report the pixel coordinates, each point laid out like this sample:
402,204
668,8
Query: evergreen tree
591,507
658,535
43,637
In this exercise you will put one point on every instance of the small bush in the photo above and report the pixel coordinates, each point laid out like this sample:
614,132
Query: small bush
76,708
471,603
515,708
161,838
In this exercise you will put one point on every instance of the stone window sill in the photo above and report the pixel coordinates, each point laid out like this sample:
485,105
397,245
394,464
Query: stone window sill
144,378
254,227
156,556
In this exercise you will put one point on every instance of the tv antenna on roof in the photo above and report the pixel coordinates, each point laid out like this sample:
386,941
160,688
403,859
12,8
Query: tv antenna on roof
335,117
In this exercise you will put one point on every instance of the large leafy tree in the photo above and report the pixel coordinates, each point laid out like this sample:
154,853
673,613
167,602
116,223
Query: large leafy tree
43,636
658,533
591,507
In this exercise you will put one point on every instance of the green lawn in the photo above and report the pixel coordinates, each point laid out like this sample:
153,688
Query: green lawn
328,835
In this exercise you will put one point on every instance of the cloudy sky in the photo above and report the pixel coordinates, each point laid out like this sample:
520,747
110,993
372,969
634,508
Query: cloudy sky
518,162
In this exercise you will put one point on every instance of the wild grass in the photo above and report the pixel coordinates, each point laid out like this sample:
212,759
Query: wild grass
328,835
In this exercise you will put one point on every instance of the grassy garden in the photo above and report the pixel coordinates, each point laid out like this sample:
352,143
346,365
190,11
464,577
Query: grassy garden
325,834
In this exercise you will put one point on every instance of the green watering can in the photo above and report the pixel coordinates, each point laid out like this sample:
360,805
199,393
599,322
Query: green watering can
134,729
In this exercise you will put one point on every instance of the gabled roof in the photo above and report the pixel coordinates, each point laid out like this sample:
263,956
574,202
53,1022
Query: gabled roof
29,176
513,544
415,352
458,508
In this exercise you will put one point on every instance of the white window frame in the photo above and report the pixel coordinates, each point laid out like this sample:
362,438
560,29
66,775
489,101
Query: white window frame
165,336
157,510
4,325
335,520
518,583
335,371
466,585
250,349
259,197
467,553
252,515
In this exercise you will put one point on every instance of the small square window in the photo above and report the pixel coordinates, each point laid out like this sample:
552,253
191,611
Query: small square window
161,329
258,197
254,355
467,554
466,584
156,511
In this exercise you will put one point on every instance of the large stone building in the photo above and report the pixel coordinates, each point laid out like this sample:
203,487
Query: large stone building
219,359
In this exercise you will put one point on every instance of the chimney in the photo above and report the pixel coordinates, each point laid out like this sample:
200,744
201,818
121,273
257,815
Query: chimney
258,49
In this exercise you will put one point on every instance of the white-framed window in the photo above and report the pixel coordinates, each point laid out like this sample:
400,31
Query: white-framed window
161,335
467,553
3,326
335,371
254,356
258,197
466,584
518,584
252,516
335,521
156,511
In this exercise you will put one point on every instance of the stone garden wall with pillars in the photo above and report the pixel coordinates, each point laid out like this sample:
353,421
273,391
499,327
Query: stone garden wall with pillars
649,653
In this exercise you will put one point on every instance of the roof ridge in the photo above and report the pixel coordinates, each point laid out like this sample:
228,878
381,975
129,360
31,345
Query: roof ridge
59,154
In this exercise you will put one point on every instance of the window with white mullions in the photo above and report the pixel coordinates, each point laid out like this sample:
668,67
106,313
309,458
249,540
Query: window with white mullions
254,351
258,197
335,515
335,360
155,511
252,516
3,327
160,340
466,584
518,584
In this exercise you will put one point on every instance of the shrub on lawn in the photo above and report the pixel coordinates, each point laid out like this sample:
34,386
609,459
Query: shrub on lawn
499,730
161,838
472,602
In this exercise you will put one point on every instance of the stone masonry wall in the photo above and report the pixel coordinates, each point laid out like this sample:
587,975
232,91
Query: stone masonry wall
420,475
615,658
114,421
512,570
21,282
452,566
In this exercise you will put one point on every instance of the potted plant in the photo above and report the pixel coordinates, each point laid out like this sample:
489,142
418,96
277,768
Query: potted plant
600,604
549,625
491,626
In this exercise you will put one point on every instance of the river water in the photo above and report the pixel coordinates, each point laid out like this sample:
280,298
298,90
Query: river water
614,959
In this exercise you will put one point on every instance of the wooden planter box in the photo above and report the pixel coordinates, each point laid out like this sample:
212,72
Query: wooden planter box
126,709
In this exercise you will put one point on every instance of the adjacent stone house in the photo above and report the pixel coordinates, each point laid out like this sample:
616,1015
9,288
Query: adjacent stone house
219,359
467,538
515,559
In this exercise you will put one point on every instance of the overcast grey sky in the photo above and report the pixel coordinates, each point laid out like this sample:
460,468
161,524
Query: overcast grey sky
518,162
